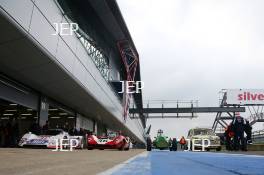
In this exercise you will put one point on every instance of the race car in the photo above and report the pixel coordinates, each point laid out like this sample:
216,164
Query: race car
161,142
111,141
51,139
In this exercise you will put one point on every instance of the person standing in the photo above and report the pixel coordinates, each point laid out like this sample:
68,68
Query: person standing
2,135
15,133
45,127
238,127
174,144
183,143
9,134
170,141
81,132
229,134
248,131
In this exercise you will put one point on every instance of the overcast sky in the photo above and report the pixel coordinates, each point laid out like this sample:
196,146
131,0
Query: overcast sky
191,49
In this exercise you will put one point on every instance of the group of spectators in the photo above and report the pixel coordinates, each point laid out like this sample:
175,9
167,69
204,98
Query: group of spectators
234,134
182,142
9,133
36,129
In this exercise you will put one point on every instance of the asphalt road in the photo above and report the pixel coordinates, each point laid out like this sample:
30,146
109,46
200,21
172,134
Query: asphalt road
190,163
19,161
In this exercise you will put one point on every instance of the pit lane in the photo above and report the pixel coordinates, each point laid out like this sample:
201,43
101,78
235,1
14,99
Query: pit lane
159,162
20,161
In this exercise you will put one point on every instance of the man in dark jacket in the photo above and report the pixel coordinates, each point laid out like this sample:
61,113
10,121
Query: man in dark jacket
248,131
15,133
238,128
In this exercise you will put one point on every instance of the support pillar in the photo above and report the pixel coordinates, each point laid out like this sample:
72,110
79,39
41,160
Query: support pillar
43,113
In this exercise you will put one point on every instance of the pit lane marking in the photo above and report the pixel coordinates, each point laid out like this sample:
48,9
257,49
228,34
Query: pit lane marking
123,164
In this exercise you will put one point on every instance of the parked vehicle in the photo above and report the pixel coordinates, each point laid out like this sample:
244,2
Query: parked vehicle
111,141
51,139
198,134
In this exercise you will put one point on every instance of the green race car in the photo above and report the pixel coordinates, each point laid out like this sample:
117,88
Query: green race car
161,142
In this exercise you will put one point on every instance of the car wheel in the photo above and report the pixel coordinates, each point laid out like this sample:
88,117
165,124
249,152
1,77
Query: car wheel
122,146
89,148
219,148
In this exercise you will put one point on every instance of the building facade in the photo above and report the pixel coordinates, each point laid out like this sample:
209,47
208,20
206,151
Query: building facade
60,62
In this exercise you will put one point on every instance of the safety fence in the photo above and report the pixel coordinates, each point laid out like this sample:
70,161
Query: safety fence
258,136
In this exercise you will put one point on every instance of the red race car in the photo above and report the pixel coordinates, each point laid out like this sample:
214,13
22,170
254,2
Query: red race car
112,141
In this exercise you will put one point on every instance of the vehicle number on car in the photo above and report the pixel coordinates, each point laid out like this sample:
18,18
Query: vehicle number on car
102,141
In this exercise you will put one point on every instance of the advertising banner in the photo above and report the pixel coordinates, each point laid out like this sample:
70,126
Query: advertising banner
245,97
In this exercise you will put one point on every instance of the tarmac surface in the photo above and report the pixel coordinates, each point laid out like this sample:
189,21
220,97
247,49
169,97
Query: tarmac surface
191,163
19,161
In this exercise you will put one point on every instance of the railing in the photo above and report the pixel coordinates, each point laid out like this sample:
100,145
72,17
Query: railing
255,118
100,60
258,136
220,129
171,104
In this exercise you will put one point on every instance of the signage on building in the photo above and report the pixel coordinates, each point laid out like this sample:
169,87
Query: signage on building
245,97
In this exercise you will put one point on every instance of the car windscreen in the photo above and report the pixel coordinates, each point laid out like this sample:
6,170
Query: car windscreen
53,132
111,135
203,132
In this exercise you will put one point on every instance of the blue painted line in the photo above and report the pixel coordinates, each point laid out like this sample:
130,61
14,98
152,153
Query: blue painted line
192,163
128,165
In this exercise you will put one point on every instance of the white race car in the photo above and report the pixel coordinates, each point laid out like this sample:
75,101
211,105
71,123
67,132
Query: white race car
51,139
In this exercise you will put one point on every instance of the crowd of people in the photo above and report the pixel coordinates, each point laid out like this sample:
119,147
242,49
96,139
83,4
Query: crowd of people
36,129
234,134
